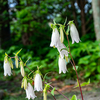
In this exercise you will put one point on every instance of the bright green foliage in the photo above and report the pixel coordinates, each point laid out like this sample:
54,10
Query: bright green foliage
87,55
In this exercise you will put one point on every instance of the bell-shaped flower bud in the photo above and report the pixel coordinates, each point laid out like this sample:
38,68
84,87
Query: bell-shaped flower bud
30,92
16,61
62,50
22,68
61,35
25,83
74,33
62,65
7,67
55,38
38,82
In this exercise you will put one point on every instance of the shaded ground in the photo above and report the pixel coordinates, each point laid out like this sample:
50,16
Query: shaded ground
10,90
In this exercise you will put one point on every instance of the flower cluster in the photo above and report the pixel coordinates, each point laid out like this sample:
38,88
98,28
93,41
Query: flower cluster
57,41
26,83
28,87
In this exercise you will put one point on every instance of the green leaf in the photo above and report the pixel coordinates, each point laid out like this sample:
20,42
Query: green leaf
76,67
83,84
18,51
52,92
65,21
87,74
74,97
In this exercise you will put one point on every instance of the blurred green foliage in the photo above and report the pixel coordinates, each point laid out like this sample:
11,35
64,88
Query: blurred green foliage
87,56
31,32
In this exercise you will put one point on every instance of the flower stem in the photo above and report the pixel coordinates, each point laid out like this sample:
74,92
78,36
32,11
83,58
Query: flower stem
75,68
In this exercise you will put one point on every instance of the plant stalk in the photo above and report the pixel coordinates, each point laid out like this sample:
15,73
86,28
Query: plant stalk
75,68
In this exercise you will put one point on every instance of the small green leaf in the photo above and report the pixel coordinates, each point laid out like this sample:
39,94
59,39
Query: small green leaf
52,92
26,61
18,51
74,97
83,84
65,21
76,67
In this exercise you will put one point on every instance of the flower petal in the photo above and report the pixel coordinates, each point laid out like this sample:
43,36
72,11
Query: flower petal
62,65
38,83
55,38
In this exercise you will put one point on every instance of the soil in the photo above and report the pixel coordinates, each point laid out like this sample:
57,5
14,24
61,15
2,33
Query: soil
10,90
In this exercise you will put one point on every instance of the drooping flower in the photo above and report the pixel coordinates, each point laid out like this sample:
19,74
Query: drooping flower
22,71
55,38
62,65
38,82
74,33
30,92
7,67
62,50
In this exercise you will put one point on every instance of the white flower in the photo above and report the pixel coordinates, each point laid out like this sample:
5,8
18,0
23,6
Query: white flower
30,92
62,65
38,82
74,34
55,38
62,50
7,68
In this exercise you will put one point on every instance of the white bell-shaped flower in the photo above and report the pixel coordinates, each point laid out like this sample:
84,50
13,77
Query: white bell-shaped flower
74,34
30,92
62,50
55,38
38,82
7,68
62,65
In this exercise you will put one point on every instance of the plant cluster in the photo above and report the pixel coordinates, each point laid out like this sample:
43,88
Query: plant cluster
36,78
